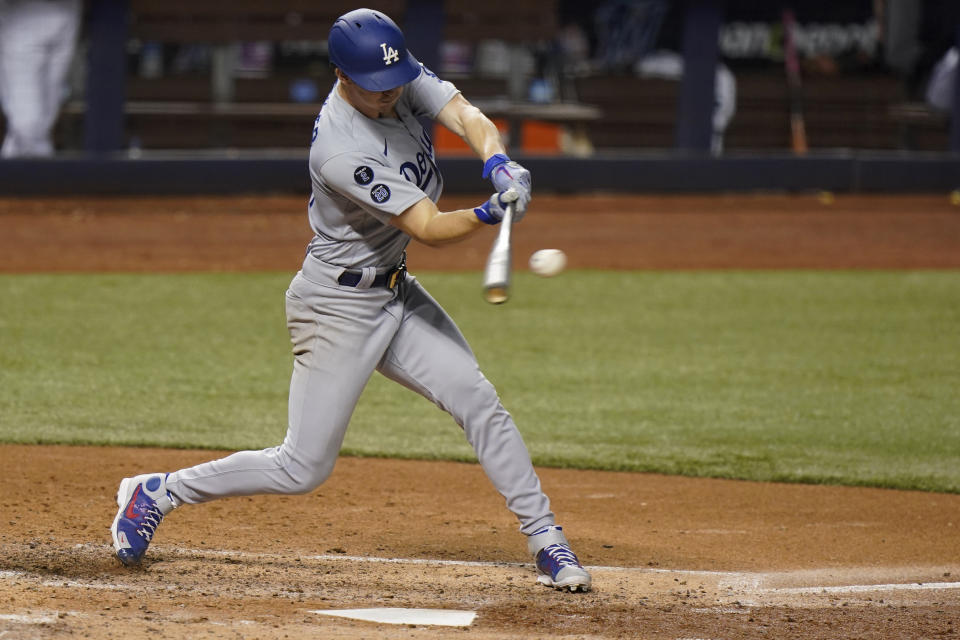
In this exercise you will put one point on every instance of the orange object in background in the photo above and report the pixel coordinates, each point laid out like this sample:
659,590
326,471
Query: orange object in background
541,137
537,137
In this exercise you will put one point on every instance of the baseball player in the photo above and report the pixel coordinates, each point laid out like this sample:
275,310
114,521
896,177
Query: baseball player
37,42
353,309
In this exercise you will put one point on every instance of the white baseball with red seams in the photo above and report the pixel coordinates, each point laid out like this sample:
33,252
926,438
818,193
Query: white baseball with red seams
548,262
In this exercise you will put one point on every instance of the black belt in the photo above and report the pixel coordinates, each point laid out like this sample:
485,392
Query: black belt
389,279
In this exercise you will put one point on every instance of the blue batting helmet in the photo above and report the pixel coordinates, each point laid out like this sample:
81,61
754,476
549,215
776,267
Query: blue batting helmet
370,48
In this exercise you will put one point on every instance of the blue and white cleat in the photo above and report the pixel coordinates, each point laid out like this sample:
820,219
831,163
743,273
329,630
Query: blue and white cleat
557,565
143,501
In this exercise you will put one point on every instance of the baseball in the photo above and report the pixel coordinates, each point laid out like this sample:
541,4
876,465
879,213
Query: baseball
548,262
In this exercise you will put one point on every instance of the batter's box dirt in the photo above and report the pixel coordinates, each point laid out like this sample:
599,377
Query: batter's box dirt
184,593
697,564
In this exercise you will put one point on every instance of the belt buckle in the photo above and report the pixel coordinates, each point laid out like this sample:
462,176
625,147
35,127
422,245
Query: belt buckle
400,273
396,276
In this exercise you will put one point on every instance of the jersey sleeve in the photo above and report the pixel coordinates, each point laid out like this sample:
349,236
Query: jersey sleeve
378,189
428,94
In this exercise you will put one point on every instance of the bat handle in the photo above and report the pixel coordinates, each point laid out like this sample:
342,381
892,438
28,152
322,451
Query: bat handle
508,212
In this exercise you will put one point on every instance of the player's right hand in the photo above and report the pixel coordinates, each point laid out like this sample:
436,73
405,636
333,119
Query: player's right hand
506,174
491,211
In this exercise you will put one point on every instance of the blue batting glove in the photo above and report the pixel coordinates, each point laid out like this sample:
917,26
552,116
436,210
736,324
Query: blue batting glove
507,174
491,211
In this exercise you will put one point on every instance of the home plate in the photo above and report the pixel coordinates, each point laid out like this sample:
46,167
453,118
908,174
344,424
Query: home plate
445,617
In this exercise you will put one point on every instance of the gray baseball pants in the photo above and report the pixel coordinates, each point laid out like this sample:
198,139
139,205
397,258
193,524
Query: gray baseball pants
342,334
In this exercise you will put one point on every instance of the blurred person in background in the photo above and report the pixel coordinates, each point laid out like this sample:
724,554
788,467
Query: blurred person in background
644,36
940,88
627,30
918,37
37,43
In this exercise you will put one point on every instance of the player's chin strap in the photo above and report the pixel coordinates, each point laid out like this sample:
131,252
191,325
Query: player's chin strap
544,538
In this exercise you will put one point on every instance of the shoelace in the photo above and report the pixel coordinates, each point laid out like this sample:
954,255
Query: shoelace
151,520
562,555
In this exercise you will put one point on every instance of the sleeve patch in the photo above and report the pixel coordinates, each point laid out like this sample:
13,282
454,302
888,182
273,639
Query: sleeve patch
363,175
380,193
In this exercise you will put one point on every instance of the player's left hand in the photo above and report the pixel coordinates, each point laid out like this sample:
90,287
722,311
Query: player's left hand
507,174
491,211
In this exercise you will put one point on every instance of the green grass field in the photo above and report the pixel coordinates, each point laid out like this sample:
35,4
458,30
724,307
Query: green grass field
806,376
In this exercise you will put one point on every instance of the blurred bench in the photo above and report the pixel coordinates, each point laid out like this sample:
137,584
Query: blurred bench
571,122
917,122
200,124
170,124
226,21
853,111
225,110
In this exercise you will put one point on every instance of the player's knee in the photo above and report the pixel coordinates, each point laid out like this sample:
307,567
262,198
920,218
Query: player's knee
466,395
304,478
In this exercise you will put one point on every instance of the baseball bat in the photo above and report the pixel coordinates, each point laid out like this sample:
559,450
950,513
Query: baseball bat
798,129
496,275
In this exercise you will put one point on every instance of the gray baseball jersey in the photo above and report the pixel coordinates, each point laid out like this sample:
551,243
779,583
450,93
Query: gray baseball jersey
364,171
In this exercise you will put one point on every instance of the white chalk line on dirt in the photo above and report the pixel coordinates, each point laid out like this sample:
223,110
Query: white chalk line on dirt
77,584
27,619
867,588
739,581
423,561
37,618
728,579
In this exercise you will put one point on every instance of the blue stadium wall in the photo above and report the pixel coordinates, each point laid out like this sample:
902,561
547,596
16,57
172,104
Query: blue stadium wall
853,172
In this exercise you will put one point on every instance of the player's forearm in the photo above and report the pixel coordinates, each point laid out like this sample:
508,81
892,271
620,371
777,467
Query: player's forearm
448,227
425,223
481,134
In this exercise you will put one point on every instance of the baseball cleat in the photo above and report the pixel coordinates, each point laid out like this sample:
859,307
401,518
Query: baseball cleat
557,565
143,501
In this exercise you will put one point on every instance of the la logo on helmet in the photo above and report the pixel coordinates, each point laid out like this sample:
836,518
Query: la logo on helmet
390,55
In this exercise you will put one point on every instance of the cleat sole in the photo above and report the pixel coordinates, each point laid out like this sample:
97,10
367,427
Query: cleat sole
128,561
571,588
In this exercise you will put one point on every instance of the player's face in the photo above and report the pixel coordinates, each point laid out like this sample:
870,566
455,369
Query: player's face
373,104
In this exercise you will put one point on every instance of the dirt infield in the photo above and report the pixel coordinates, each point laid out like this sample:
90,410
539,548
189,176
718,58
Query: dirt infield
678,232
672,557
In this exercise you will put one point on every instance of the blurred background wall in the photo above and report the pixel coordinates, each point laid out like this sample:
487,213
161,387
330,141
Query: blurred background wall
563,79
